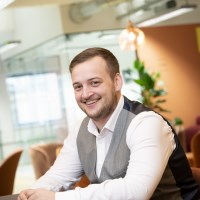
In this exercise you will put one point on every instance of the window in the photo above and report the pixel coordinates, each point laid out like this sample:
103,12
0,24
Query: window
36,98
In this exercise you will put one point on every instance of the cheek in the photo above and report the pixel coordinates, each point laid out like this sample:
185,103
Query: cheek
77,96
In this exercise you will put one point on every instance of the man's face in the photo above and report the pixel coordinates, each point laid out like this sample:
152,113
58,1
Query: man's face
96,93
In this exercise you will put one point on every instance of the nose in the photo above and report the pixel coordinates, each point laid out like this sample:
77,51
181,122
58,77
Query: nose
86,92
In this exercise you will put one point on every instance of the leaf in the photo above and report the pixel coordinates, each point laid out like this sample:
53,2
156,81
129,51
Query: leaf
147,82
178,121
159,101
139,82
159,92
139,66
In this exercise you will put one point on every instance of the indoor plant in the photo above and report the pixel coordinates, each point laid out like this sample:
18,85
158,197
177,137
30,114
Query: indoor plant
151,94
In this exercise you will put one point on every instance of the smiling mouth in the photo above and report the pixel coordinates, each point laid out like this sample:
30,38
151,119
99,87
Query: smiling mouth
90,102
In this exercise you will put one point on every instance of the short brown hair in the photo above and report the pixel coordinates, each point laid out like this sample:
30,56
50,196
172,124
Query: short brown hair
110,59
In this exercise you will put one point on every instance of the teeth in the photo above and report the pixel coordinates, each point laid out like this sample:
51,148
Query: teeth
90,102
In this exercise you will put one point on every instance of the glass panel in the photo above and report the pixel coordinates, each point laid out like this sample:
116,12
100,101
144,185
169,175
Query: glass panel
36,98
40,96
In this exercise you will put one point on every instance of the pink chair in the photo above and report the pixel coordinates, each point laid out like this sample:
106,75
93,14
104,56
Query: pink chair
190,132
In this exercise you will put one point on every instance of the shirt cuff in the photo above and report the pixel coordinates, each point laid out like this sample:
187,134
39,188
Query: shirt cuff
67,195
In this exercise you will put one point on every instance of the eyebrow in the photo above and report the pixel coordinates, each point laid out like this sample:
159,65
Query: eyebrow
88,80
75,83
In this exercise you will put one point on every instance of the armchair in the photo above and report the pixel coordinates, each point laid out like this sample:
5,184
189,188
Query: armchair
190,133
43,157
8,169
195,149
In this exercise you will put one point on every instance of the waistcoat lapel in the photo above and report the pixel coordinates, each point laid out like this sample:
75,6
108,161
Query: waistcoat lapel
116,161
86,144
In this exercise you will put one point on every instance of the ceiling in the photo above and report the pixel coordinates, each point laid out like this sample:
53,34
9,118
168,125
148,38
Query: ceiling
81,10
123,6
19,3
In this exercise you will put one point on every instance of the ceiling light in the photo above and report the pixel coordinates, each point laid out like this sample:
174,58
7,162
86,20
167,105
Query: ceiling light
8,45
131,37
173,13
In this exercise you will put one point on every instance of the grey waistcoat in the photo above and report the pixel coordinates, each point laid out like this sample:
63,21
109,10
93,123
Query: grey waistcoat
173,186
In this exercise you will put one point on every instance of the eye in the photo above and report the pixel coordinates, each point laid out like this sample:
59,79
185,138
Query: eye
77,87
95,83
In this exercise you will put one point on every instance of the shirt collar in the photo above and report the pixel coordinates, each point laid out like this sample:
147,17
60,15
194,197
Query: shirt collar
110,124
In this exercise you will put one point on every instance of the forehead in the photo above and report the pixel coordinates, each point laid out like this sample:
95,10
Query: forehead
94,67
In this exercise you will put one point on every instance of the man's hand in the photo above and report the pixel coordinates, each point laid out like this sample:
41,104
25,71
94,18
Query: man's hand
36,194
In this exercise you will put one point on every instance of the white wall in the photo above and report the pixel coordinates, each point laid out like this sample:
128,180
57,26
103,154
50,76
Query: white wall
35,25
6,20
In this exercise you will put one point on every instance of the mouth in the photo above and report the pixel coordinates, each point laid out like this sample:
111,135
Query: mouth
90,102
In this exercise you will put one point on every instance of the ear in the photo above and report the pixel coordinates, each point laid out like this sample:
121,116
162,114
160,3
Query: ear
118,82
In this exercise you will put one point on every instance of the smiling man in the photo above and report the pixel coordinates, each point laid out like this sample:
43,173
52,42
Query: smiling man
127,151
97,93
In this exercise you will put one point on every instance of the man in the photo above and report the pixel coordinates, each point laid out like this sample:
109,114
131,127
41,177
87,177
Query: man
126,150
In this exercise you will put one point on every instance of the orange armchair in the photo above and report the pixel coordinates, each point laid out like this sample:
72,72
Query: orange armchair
43,157
8,169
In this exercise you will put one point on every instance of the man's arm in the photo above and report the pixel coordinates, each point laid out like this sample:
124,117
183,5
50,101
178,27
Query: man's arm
36,194
61,176
151,143
66,170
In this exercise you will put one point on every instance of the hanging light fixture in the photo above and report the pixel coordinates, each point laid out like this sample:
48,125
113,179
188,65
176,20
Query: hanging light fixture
131,37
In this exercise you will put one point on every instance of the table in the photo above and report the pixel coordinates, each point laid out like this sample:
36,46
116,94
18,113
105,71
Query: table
9,197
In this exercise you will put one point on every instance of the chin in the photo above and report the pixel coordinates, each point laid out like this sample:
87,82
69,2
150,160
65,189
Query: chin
92,116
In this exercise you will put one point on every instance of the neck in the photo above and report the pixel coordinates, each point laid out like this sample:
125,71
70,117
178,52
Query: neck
101,123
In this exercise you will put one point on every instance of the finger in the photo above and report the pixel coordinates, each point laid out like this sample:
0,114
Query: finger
29,192
22,196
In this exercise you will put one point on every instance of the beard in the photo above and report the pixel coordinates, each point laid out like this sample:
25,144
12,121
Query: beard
103,111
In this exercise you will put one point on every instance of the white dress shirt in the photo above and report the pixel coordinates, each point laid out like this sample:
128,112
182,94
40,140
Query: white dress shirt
151,142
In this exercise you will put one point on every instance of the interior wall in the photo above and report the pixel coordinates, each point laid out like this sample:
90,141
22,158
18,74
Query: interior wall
173,50
96,22
33,26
